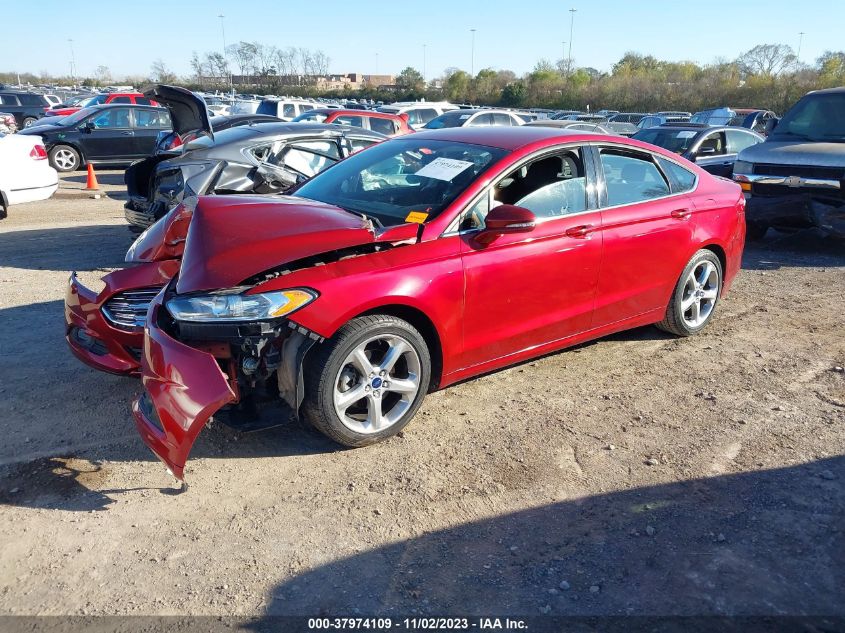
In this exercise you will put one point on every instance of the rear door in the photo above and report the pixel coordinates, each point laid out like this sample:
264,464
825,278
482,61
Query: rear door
111,137
148,124
647,230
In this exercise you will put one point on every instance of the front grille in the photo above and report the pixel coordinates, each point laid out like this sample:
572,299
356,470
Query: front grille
803,171
128,310
770,190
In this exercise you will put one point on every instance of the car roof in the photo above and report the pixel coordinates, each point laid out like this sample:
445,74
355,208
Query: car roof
501,136
827,91
109,106
269,130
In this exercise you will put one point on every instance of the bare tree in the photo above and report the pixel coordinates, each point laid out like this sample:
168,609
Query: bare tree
769,60
102,74
321,63
160,73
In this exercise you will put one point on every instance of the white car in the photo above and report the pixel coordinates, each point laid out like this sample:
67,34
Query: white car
419,112
285,109
25,172
474,117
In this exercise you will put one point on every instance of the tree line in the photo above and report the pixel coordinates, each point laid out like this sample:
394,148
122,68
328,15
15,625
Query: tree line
766,76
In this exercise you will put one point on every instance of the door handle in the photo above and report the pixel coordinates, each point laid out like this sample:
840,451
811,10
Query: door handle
128,133
579,231
680,214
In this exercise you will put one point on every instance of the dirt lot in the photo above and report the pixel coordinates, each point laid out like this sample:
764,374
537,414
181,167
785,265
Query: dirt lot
640,474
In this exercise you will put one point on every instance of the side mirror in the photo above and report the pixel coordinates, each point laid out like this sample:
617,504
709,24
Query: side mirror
770,126
505,219
86,127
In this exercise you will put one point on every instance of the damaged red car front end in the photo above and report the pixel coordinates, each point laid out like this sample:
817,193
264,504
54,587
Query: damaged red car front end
184,386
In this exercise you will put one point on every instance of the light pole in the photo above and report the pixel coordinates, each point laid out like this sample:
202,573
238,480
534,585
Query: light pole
571,28
72,62
800,41
223,33
472,59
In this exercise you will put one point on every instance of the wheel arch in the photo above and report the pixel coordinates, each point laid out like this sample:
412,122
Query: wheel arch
719,252
424,325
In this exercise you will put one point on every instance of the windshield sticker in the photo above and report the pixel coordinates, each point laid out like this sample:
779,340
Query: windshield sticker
417,216
686,134
463,116
444,168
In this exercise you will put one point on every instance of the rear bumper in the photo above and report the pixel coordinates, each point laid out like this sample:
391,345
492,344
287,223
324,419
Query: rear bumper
184,387
91,337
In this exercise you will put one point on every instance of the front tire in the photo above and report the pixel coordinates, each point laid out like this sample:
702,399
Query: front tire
695,297
64,158
366,383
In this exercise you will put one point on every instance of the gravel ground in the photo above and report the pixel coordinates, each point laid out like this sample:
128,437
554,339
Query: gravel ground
640,474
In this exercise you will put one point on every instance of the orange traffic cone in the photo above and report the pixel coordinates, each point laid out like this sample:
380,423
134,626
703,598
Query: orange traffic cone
92,184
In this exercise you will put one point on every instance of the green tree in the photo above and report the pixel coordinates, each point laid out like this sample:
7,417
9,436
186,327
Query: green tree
457,86
514,94
410,79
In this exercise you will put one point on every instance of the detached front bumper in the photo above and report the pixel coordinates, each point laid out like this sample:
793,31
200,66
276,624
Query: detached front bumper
183,386
91,336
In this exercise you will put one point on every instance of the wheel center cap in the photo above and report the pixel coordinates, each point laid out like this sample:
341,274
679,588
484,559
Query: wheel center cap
376,383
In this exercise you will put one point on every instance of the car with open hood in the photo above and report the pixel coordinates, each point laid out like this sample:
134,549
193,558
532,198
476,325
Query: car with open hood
256,158
420,262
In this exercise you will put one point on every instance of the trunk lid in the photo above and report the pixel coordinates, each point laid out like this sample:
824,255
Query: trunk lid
188,111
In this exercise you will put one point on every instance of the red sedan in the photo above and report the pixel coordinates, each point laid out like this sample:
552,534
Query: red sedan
417,263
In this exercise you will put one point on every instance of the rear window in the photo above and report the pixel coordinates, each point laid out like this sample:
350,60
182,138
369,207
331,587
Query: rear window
382,126
32,100
268,107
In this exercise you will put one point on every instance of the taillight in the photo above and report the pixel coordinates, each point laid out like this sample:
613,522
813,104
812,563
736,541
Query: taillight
174,142
38,153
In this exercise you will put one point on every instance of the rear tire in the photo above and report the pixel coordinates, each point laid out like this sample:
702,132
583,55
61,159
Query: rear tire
695,297
64,158
366,383
28,121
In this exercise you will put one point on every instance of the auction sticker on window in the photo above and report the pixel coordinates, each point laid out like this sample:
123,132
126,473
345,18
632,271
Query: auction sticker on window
444,168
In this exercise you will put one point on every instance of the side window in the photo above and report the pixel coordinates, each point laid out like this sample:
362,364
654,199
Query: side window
357,144
355,121
421,116
481,119
631,177
9,100
32,100
382,126
738,141
261,152
288,111
501,119
143,101
157,119
120,100
304,107
713,145
682,179
551,186
113,118
307,157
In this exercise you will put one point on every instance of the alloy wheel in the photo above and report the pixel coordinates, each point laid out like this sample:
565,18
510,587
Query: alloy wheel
701,290
64,159
377,384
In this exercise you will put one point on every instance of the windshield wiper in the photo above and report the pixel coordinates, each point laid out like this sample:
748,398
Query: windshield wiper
367,218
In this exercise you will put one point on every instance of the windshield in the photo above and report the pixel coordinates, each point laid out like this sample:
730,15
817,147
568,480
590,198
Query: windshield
393,180
313,115
76,117
96,99
819,117
677,141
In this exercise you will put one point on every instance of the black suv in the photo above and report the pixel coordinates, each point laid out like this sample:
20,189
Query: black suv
27,107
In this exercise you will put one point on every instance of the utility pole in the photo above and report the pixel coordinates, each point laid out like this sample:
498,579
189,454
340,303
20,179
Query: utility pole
571,29
72,63
800,42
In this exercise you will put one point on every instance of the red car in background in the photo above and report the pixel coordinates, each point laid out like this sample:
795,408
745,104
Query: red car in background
381,122
415,264
111,97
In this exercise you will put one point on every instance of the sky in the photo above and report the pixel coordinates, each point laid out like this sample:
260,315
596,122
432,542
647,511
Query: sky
369,37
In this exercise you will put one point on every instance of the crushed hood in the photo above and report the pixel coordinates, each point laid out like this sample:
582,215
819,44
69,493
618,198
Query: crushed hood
188,111
796,153
232,238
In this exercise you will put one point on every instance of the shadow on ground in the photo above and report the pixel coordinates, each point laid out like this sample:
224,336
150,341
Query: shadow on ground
114,178
807,248
83,247
767,542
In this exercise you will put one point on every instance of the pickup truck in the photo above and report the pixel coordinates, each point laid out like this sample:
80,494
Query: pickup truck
796,178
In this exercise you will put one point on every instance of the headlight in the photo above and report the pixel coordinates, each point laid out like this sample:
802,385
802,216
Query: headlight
743,167
234,306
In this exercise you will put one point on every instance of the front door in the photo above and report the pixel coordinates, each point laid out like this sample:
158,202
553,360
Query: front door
110,136
527,289
713,155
